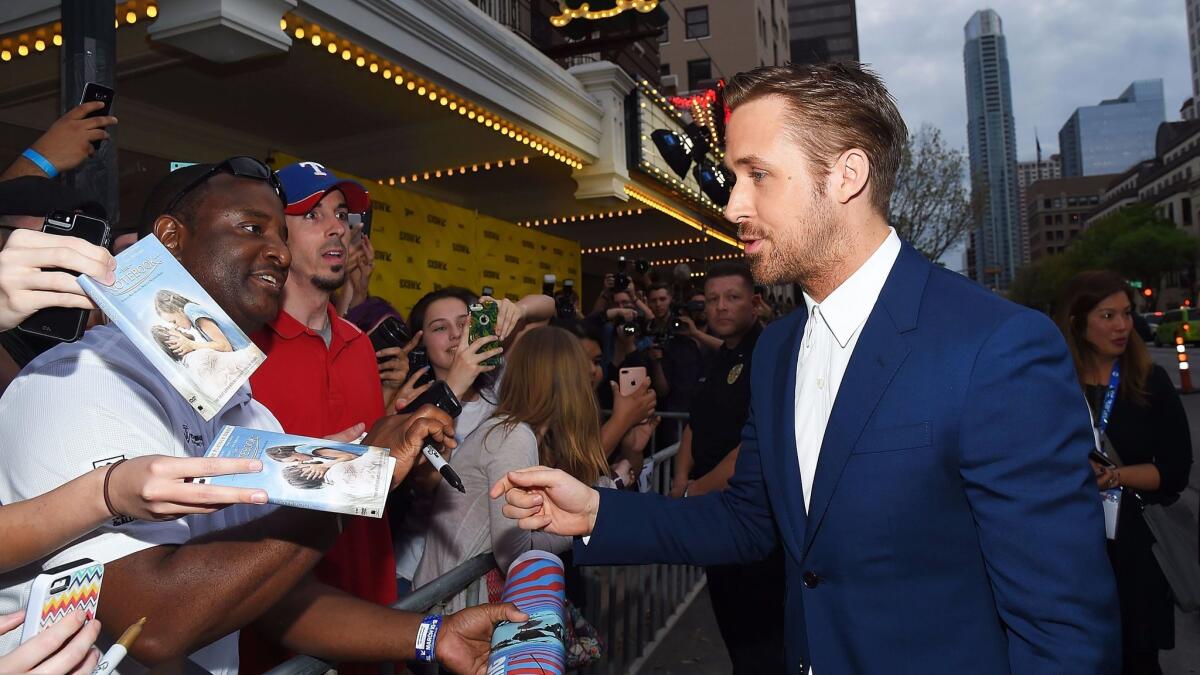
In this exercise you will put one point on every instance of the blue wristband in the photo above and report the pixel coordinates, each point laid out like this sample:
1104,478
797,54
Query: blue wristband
42,163
427,638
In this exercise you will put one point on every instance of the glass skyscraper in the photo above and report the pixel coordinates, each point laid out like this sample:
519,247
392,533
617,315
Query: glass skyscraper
1115,135
991,136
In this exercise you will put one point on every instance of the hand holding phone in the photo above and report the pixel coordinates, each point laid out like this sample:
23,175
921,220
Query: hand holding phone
483,319
67,323
629,379
94,91
57,592
389,333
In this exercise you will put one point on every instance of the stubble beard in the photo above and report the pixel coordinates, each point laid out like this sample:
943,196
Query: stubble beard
799,257
331,282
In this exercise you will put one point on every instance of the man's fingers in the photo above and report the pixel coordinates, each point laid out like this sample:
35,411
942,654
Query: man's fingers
81,111
101,122
505,612
539,522
523,500
515,513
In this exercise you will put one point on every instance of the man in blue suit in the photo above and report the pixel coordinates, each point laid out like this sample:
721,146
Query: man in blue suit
917,444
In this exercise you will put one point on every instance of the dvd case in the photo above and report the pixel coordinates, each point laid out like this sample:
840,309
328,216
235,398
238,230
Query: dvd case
177,326
536,585
309,473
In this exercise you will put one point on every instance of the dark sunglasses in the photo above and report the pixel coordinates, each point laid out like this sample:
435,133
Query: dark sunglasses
241,167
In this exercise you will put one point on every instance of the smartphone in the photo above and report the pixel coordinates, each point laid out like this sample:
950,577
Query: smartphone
418,358
94,91
63,323
389,333
439,394
58,591
483,324
629,379
1100,459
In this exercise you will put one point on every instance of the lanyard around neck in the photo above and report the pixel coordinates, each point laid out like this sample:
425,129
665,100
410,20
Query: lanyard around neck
1110,396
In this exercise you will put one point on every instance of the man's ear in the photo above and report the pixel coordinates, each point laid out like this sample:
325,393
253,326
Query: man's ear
850,175
172,233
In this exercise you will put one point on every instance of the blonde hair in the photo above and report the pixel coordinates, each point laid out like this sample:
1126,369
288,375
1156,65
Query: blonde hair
547,384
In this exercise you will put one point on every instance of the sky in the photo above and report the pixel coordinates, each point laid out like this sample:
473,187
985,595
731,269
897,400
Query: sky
1062,54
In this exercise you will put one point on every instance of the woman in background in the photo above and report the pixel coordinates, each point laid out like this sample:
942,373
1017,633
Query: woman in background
1136,408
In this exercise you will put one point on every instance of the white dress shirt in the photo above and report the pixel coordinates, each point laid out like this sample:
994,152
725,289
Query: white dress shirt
830,335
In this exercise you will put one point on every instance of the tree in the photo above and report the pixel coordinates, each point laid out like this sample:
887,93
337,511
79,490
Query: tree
930,206
1135,242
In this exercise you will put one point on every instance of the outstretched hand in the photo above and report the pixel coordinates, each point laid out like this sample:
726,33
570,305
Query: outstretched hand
541,498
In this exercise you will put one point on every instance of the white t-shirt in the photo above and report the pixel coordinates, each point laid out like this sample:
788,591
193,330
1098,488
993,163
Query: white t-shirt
86,404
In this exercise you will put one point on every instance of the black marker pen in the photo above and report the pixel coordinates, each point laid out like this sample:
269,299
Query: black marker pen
435,458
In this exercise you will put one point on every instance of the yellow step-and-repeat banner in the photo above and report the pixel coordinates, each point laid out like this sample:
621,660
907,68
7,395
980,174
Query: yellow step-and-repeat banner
423,245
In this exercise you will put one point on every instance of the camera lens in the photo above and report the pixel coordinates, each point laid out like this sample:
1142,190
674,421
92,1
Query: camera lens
484,320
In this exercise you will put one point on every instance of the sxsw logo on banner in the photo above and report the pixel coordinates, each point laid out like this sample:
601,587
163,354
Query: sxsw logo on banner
558,251
381,206
438,265
512,260
489,274
528,244
461,248
529,280
544,265
488,234
435,220
409,237
409,284
383,255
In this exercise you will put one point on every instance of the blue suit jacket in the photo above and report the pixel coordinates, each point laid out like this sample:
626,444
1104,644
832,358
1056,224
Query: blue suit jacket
954,526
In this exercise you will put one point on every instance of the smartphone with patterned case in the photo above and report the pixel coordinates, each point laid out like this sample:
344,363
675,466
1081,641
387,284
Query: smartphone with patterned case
58,591
483,324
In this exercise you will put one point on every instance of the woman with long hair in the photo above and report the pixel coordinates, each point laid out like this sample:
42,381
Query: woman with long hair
1142,422
545,414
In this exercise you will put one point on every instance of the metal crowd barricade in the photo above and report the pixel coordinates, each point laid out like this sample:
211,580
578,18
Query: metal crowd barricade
632,607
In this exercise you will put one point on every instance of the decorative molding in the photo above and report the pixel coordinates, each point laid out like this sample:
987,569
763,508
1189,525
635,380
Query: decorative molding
223,31
608,175
458,46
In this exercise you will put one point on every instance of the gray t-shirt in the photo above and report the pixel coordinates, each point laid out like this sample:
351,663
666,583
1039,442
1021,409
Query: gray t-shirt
464,525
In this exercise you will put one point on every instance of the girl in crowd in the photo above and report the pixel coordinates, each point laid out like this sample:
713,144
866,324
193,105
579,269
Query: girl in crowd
440,322
148,488
545,414
1138,411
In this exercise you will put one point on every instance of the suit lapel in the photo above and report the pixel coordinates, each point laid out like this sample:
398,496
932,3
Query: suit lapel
880,351
786,463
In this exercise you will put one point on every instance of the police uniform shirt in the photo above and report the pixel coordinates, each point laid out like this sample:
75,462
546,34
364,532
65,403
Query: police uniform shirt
721,407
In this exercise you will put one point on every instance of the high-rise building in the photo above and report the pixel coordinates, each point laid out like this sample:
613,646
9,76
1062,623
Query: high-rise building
823,30
1114,135
1193,24
1029,173
991,137
705,42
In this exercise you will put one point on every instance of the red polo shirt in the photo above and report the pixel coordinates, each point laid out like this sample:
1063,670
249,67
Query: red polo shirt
314,390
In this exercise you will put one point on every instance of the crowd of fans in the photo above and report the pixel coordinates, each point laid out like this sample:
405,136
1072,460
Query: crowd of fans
99,450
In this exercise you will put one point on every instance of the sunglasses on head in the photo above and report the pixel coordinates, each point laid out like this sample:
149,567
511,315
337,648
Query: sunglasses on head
241,167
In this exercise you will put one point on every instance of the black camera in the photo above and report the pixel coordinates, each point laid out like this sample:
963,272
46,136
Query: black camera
621,278
632,328
565,300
